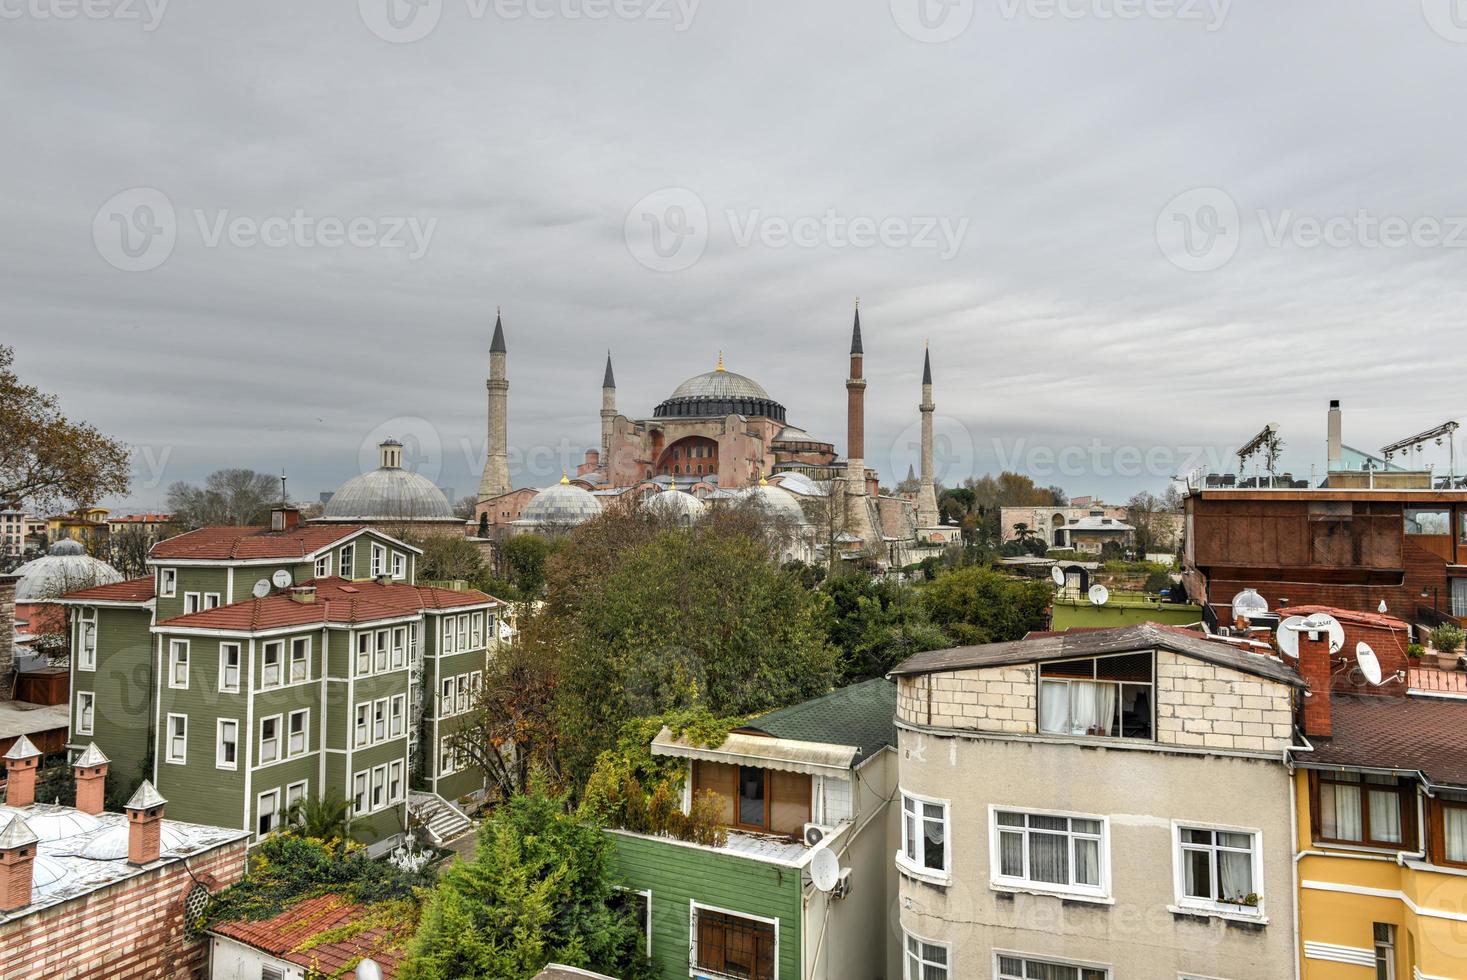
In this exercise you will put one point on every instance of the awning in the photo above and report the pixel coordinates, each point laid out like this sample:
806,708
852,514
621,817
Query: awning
788,755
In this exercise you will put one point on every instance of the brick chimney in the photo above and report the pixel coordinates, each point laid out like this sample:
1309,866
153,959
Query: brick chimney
284,519
90,769
144,825
17,854
7,633
20,773
1314,666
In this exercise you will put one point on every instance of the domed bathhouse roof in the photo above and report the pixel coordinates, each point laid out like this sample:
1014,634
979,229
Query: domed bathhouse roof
389,493
719,392
563,505
679,505
66,568
780,503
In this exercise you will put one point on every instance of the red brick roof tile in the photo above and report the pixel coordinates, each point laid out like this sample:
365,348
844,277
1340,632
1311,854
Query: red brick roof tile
133,590
1419,733
224,543
288,936
337,601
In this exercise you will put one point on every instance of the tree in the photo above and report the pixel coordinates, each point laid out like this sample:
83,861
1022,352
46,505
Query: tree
465,508
47,459
981,605
522,560
230,497
538,890
448,557
876,624
127,549
1147,512
1023,532
321,817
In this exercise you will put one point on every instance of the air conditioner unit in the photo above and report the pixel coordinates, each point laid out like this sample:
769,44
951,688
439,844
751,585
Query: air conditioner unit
814,834
843,887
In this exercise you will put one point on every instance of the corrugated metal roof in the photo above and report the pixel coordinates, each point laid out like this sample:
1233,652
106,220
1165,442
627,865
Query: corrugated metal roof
787,755
862,715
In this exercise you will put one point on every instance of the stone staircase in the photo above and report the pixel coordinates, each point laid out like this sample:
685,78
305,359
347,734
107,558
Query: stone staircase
443,821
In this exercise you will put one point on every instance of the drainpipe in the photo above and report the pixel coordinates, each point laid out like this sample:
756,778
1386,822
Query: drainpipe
1294,835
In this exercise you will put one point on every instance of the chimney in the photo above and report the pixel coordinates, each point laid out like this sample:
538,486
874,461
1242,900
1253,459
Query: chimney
20,773
144,825
90,769
7,632
17,854
1314,665
284,519
303,593
1336,448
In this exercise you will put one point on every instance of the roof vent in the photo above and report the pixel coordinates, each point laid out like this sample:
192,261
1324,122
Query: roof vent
303,593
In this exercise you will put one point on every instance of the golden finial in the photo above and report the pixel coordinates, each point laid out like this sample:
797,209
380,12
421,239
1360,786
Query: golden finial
763,482
720,362
564,478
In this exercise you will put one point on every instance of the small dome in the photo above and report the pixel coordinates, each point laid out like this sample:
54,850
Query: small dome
563,505
388,493
780,503
54,825
720,384
46,870
799,483
677,504
66,568
111,844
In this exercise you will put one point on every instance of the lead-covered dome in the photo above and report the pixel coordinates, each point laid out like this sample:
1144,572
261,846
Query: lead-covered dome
779,503
719,392
65,568
563,505
388,493
679,505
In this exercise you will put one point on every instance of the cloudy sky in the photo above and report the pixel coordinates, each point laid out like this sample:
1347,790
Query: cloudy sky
1134,231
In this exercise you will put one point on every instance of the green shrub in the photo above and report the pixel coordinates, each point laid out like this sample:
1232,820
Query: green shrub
1446,638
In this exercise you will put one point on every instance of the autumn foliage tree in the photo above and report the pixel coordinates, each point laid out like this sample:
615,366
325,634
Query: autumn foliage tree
46,458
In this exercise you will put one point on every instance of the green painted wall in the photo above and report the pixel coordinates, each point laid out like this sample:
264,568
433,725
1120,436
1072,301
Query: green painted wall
197,791
1067,614
677,875
122,685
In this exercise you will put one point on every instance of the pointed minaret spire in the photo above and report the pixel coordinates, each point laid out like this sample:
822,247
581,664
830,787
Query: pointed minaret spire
926,365
496,346
609,381
495,480
927,514
858,518
608,418
856,330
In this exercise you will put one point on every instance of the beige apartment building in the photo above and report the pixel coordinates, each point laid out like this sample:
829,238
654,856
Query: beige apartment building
1109,805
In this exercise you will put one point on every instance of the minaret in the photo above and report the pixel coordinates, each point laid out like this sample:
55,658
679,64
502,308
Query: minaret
608,415
926,493
858,515
496,468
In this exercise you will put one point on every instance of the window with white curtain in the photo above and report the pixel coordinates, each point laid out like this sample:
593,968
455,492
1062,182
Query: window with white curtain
924,960
1363,808
1012,966
86,703
924,836
176,750
1219,870
1453,830
1049,851
1111,697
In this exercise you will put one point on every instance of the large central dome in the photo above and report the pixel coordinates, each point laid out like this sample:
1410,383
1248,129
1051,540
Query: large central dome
719,392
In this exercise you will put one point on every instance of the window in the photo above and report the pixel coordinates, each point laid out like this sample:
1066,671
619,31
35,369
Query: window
381,659
924,836
1449,829
300,659
399,647
399,565
361,725
379,561
178,663
1425,521
394,782
1049,851
379,720
347,562
461,693
191,602
476,630
226,751
1105,696
1385,951
463,632
1373,811
295,793
1219,869
270,664
176,747
359,793
399,707
211,600
167,583
924,960
476,683
269,739
1014,967
86,703
229,668
86,658
379,787
364,654
448,646
734,945
446,702
640,902
268,812
448,759
323,566
298,732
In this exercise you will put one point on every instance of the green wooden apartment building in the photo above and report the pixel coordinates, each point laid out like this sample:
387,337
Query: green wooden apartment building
256,666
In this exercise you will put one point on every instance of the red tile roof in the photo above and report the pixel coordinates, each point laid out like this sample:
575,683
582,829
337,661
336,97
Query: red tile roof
141,519
1418,733
337,601
1347,616
223,543
289,935
133,590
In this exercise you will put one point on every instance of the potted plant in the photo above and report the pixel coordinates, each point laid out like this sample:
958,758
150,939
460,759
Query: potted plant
1445,640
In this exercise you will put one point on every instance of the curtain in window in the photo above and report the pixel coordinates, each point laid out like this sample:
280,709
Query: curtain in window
1049,854
1339,816
1092,707
934,827
1454,822
1385,817
1087,862
1054,707
1236,873
1011,855
1197,872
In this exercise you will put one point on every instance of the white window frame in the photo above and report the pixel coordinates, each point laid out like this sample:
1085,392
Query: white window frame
399,648
646,895
305,661
379,720
447,756
396,716
1190,903
923,962
381,641
220,741
363,724
399,565
192,602
168,736
305,734
346,562
86,657
463,632
278,646
89,712
279,755
378,566
445,699
693,908
1000,881
476,630
295,792
323,565
211,600
175,661
167,583
277,817
379,787
224,669
448,635
360,793
460,694
394,782
363,665
1383,953
1048,961
911,865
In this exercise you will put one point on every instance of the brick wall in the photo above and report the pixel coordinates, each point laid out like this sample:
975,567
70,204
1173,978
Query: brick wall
7,631
128,931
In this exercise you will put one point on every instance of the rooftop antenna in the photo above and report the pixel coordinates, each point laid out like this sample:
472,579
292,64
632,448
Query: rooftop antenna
1418,442
284,500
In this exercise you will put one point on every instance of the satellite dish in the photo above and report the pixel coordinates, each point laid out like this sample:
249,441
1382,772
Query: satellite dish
824,869
1249,603
1318,623
281,578
261,589
1099,595
1288,636
1058,574
1369,665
